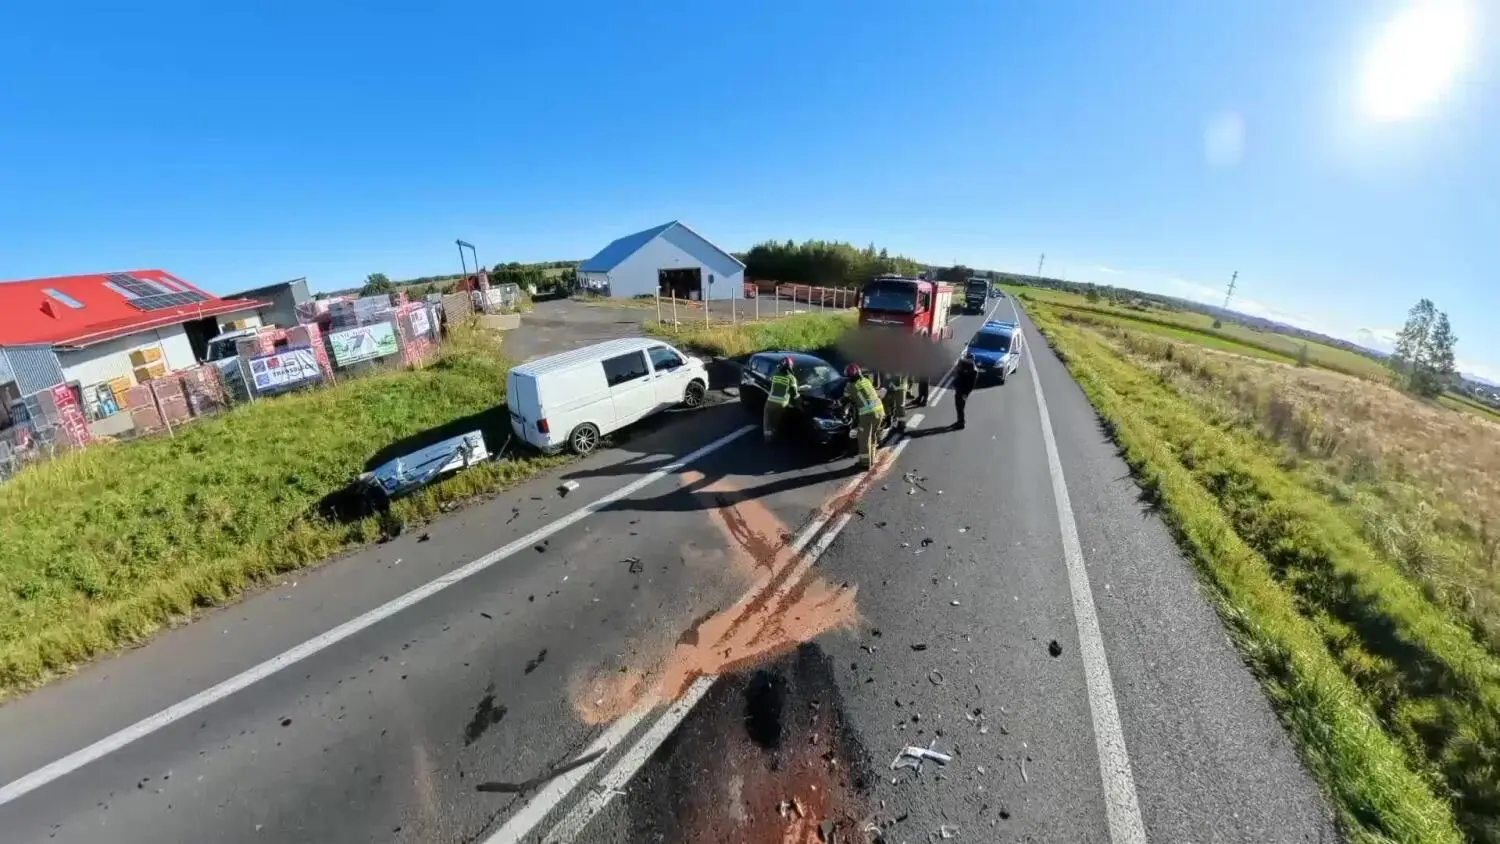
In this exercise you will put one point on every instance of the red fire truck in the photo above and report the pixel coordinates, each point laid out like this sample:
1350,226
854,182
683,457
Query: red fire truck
910,304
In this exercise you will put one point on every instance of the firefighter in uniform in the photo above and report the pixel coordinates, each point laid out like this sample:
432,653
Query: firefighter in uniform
866,401
895,400
783,391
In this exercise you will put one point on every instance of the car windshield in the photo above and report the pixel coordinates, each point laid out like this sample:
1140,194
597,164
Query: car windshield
815,374
978,287
991,342
891,297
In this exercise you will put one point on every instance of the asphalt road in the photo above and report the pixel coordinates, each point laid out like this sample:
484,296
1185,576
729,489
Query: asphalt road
716,684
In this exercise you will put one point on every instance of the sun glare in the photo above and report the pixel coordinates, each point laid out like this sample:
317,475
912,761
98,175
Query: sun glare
1416,57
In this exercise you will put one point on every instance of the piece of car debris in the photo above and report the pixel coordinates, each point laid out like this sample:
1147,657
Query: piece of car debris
566,487
945,831
912,756
636,566
1054,648
919,646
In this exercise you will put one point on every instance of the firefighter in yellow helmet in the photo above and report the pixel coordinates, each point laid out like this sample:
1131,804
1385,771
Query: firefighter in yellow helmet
783,393
865,399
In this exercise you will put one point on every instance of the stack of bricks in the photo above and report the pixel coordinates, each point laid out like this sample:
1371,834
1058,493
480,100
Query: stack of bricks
204,390
72,424
416,331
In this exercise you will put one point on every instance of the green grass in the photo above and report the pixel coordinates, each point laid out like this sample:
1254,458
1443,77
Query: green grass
1455,401
103,547
800,332
1393,702
1247,340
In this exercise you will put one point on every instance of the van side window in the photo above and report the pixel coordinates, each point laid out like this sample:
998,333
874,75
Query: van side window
623,368
664,359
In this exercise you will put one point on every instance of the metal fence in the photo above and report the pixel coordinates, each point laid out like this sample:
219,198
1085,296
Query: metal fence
781,300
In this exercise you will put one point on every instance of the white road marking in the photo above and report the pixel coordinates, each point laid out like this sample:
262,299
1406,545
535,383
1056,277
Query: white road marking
630,763
577,819
146,726
1121,809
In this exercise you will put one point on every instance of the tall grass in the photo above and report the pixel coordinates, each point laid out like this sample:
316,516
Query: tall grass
102,547
1394,702
800,332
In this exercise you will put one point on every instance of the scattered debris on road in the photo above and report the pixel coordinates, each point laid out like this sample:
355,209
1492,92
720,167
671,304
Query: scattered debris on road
945,831
935,677
1054,648
926,541
534,663
566,487
636,566
919,646
426,537
541,547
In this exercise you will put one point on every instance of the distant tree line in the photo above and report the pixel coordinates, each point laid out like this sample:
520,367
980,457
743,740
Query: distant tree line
823,263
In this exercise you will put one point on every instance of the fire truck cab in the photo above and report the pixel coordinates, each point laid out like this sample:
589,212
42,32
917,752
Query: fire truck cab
911,304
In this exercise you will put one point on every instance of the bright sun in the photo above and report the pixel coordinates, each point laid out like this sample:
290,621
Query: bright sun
1415,58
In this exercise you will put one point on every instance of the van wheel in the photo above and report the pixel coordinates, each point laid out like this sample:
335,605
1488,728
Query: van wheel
693,396
584,439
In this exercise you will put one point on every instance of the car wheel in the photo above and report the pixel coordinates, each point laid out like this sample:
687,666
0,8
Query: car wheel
693,395
584,440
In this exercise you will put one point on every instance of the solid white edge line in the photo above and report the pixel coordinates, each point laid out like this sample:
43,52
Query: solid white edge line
1121,808
146,726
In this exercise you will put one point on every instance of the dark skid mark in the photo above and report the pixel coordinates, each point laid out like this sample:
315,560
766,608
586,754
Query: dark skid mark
487,714
765,701
527,785
774,731
531,664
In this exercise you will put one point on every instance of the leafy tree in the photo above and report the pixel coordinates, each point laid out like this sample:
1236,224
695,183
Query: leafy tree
1302,355
1423,358
1092,294
375,284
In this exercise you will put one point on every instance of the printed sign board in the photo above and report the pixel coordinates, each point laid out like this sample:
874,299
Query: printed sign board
421,325
291,367
366,342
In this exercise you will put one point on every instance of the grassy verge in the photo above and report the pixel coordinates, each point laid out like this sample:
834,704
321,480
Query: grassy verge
103,547
1393,698
1246,340
801,332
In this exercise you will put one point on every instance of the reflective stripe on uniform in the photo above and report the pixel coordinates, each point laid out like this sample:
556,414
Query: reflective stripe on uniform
781,389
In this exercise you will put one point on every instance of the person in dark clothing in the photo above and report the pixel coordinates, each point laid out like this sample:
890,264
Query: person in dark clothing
964,379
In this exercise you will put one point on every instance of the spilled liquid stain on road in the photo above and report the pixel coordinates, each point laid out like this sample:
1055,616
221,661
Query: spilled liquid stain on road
785,606
765,758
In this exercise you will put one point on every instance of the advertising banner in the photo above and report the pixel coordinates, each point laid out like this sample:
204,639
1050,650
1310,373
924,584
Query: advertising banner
366,342
421,325
291,367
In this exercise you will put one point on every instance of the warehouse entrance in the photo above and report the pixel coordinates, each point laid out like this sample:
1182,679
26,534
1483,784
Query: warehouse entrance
681,283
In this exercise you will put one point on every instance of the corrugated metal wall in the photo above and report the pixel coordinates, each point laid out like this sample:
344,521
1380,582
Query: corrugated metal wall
32,367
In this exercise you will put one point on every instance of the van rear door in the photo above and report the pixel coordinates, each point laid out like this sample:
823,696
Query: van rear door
525,407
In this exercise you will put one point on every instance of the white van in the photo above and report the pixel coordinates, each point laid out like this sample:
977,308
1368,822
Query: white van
575,398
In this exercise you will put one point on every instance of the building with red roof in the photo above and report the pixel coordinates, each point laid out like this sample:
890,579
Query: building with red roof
93,330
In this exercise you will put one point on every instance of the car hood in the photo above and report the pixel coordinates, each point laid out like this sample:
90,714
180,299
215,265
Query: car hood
988,355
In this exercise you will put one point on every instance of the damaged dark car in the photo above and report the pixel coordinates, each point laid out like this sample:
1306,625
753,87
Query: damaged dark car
820,416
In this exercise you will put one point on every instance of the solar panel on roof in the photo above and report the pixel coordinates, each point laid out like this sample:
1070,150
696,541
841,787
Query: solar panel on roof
148,295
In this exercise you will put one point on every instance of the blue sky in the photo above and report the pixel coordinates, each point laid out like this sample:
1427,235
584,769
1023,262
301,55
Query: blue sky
1161,145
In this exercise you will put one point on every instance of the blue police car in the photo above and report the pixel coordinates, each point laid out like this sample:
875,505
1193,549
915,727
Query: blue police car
997,349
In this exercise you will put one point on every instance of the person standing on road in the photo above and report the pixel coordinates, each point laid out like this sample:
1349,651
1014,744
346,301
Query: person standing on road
964,379
783,391
866,401
895,400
